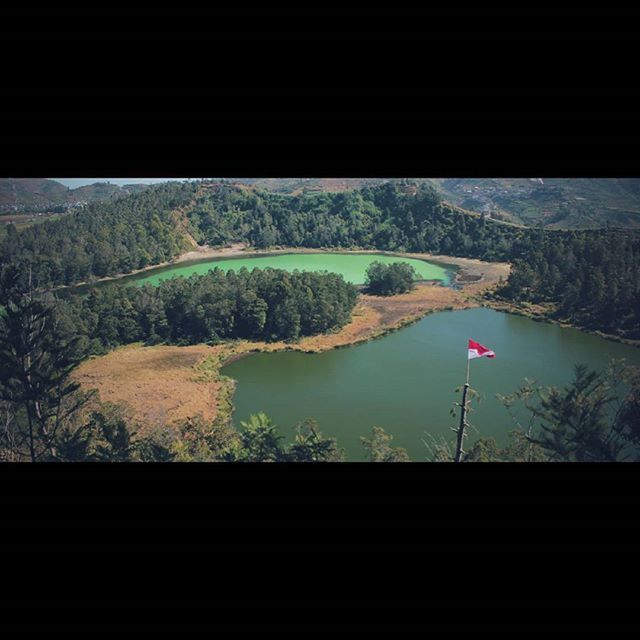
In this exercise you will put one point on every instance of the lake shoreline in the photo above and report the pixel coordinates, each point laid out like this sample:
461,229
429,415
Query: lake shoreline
530,313
465,267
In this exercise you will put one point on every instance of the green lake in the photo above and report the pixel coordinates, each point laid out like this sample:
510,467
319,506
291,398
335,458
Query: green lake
405,381
352,266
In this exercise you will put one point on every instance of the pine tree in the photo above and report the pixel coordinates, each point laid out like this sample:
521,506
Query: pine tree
379,448
310,446
37,356
594,418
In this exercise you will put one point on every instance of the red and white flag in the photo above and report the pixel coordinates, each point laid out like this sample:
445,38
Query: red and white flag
476,350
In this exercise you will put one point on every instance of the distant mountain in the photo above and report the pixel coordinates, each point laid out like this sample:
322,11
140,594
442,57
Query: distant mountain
555,203
297,186
40,194
30,192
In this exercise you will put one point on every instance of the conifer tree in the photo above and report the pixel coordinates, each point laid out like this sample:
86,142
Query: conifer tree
37,356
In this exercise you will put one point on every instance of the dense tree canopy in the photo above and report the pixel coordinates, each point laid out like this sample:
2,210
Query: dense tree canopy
103,238
390,279
391,216
592,277
262,304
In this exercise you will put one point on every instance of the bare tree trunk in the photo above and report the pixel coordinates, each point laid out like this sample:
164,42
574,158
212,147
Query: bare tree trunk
463,424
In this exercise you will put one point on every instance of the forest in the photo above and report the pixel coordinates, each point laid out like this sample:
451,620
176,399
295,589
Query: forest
399,216
592,278
262,304
102,238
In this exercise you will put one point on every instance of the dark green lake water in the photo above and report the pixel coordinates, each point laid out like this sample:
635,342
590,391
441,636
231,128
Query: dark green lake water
405,381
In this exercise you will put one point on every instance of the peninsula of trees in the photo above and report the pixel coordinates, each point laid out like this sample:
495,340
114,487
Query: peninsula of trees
262,304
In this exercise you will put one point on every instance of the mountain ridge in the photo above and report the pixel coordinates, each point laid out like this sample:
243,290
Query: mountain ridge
28,195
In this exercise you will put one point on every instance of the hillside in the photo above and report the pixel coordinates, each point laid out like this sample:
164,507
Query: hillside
24,193
38,195
555,203
396,216
593,272
299,186
102,238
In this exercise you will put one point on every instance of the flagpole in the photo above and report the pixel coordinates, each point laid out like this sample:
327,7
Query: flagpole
463,416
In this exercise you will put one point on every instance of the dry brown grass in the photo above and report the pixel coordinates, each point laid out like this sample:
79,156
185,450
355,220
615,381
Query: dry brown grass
156,383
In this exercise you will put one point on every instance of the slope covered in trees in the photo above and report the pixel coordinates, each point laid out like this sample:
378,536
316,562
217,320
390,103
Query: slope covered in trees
592,278
399,216
562,203
102,238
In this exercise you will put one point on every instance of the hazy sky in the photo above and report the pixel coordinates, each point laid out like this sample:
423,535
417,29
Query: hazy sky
72,183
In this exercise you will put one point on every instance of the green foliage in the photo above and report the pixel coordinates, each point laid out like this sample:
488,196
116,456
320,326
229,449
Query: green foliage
400,216
264,304
379,448
103,238
390,279
310,446
106,435
592,277
519,449
594,418
43,409
38,351
260,441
